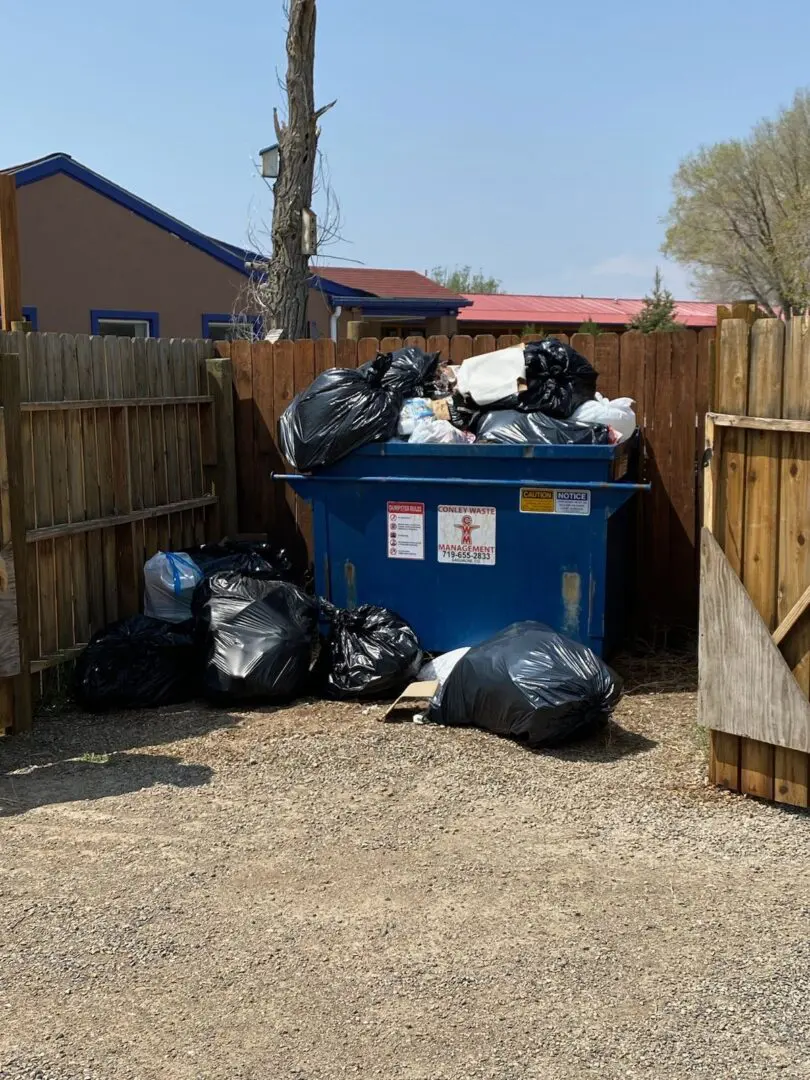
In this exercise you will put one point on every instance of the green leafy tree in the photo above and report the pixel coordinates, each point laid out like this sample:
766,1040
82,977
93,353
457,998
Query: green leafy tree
741,214
463,280
658,310
590,327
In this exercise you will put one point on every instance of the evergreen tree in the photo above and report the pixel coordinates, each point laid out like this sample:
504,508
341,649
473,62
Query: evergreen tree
590,327
658,311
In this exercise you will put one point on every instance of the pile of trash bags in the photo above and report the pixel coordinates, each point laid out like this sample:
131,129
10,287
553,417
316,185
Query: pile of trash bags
232,628
226,621
541,392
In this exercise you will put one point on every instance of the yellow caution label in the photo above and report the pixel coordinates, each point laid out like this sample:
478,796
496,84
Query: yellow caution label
537,501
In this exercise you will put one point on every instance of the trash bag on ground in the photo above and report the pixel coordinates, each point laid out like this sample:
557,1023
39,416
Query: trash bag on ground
137,663
438,669
368,653
617,414
530,683
341,410
491,377
439,431
412,410
511,426
558,379
243,555
169,581
257,635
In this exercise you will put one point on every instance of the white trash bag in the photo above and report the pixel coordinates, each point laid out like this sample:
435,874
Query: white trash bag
492,376
617,414
438,669
170,578
439,431
413,410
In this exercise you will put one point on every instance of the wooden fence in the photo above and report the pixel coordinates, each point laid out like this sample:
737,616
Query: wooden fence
755,567
110,450
668,375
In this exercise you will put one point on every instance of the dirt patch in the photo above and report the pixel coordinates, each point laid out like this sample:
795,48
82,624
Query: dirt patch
309,893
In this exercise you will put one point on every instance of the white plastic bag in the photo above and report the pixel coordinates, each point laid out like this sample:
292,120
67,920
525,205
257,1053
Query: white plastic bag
439,667
492,376
412,410
617,414
439,431
170,578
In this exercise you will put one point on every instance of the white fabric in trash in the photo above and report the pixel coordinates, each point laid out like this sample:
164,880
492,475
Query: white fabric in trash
492,376
437,431
170,578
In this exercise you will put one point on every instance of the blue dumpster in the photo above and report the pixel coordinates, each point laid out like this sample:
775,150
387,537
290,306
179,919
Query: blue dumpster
462,540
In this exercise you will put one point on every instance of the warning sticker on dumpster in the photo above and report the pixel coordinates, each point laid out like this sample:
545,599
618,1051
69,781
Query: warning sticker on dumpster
555,501
406,530
467,535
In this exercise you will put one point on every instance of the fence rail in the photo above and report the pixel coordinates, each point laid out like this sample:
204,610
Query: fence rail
668,376
110,450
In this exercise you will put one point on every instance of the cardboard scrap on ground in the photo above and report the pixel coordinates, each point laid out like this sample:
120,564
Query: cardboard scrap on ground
416,692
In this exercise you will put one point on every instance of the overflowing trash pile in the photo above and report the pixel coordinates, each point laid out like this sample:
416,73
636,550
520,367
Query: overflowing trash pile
541,392
226,623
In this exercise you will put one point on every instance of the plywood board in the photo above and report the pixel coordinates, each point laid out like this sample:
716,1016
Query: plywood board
746,688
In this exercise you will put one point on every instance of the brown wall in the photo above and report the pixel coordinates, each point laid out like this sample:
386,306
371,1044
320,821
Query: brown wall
80,250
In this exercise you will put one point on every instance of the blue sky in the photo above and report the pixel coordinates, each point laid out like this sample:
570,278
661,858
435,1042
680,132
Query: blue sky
535,141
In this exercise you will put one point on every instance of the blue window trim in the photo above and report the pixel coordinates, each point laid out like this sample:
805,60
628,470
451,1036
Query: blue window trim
31,315
214,317
151,317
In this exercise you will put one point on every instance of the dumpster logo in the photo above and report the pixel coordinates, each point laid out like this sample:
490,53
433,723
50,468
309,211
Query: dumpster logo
467,527
467,535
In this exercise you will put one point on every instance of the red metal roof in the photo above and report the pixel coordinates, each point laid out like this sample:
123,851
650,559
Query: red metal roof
508,308
390,284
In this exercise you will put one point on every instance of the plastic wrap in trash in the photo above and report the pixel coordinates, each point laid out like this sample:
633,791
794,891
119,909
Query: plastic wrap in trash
511,426
412,410
438,669
137,663
617,414
369,652
257,634
439,431
559,379
169,581
491,377
342,410
529,683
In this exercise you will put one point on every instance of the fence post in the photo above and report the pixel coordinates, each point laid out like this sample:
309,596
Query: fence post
16,633
222,473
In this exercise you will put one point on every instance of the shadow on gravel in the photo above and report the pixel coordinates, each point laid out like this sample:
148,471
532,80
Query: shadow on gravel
73,734
98,776
611,743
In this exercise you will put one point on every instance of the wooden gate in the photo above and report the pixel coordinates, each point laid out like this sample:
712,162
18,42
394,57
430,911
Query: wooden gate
755,562
110,450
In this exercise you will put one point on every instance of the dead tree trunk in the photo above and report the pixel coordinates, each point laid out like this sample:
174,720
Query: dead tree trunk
288,269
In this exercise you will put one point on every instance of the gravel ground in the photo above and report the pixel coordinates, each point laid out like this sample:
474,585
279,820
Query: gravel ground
308,893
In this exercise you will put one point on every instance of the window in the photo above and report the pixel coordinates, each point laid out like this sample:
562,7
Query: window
229,327
30,316
129,324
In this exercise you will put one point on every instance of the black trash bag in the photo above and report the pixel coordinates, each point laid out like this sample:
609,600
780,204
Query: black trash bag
342,410
242,555
137,663
410,371
257,635
511,426
462,413
529,683
369,653
558,379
